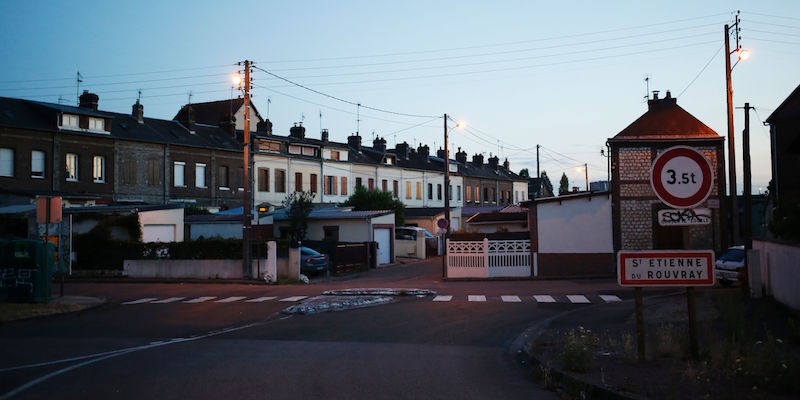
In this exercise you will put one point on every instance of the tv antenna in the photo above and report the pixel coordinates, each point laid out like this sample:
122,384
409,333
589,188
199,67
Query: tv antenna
646,87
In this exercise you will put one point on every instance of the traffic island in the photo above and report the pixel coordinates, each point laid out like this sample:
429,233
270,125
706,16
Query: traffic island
319,304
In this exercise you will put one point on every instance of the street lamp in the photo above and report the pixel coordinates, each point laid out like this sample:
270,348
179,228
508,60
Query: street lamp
742,55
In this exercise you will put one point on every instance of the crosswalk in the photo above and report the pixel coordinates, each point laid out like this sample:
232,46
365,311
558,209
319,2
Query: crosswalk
472,298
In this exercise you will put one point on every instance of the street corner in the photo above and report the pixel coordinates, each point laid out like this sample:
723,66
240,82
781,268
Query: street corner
58,305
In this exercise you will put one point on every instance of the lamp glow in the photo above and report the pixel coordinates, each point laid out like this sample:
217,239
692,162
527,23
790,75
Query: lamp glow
744,54
237,80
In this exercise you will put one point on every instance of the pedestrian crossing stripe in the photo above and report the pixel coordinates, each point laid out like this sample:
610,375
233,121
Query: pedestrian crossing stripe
610,298
260,299
443,298
230,299
478,298
293,298
578,298
201,299
511,299
167,300
543,298
140,301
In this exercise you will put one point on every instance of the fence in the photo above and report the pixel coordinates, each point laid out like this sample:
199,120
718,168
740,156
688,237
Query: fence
488,258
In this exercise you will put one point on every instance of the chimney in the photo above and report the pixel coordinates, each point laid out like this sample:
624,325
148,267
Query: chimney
228,124
264,127
461,156
506,164
297,131
354,141
402,150
424,152
493,162
379,144
656,102
138,112
477,160
88,100
324,135
188,120
440,153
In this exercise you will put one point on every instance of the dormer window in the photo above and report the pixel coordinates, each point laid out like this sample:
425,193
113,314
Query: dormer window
294,149
267,145
308,151
97,124
69,121
389,161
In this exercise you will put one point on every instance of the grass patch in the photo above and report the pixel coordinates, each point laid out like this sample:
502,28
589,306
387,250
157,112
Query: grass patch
15,311
579,348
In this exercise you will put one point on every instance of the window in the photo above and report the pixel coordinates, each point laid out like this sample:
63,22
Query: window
334,155
265,145
240,178
331,233
37,164
153,172
69,121
298,181
477,194
263,179
395,189
72,167
358,183
179,174
450,192
199,175
128,171
371,183
408,190
6,162
389,161
330,185
486,194
344,186
99,169
309,151
313,183
516,196
419,190
439,191
468,194
280,181
384,185
294,149
97,124
430,191
222,177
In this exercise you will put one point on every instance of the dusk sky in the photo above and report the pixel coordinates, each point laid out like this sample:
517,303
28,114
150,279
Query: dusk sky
565,75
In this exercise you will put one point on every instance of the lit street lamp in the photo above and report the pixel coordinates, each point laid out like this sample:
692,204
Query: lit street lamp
742,55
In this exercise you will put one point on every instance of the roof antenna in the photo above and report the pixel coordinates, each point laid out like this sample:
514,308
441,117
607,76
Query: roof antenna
302,118
190,97
358,118
269,101
139,97
78,80
646,87
320,121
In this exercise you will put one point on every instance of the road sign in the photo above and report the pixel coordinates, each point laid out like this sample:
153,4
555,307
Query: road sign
665,268
681,177
441,223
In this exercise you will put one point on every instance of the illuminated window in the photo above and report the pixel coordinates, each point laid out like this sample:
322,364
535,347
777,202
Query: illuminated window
408,190
99,169
72,167
97,124
69,121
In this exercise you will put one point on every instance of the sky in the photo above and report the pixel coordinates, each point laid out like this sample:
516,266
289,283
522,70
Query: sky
563,75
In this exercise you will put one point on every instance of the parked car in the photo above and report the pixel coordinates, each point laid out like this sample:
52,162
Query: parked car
729,265
312,261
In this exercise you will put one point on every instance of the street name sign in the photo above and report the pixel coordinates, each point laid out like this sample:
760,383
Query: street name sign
665,268
681,177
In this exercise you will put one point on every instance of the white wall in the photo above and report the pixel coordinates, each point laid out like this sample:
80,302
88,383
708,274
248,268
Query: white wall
577,225
780,271
520,192
173,217
338,169
254,120
272,162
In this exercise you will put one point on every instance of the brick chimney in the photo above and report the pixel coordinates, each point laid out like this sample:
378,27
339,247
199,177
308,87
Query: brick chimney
354,141
440,153
655,102
88,100
379,144
506,164
188,120
402,150
138,112
324,135
297,131
494,161
477,160
264,127
461,156
424,152
228,124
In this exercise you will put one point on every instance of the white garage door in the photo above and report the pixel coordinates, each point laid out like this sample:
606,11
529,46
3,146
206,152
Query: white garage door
384,238
158,233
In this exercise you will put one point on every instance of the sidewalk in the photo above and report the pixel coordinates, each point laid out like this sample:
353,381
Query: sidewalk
749,349
58,305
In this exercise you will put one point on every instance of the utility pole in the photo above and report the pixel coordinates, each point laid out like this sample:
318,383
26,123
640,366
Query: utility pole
734,204
586,172
537,161
748,242
446,199
246,175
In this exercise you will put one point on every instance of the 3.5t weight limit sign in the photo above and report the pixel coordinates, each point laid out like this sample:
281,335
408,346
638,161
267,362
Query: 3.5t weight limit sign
681,177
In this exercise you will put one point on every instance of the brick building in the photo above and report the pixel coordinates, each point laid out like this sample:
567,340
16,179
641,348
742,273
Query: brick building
635,204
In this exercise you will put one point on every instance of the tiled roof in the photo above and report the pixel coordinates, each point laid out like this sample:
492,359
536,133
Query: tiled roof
665,119
412,212
213,111
333,213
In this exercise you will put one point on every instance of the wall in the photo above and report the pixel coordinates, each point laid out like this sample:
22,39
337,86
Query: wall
193,269
271,162
215,229
498,227
580,225
164,217
779,271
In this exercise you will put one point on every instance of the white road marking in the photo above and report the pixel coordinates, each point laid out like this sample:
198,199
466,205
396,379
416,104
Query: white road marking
260,299
578,298
609,298
511,299
140,301
201,299
168,300
293,298
543,298
230,299
473,297
443,298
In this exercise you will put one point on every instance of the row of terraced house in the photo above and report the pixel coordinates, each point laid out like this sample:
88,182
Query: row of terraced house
92,157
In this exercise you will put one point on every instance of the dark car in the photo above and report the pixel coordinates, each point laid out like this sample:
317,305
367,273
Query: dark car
312,261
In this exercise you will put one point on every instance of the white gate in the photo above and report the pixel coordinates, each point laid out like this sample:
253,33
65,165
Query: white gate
509,258
488,258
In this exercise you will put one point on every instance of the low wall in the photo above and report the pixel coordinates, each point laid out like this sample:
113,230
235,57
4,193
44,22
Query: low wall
192,269
410,248
548,265
780,271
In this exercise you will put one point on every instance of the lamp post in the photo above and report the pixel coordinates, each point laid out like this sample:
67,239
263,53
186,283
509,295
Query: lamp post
743,54
246,264
446,199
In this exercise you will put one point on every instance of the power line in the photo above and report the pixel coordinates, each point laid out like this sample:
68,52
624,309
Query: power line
701,70
115,83
340,99
116,75
772,16
773,24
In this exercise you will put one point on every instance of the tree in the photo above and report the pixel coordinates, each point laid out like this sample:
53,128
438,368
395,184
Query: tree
523,173
363,199
299,207
547,185
563,186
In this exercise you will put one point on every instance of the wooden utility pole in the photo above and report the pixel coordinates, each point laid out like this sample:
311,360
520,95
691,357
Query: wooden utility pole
734,204
446,200
246,175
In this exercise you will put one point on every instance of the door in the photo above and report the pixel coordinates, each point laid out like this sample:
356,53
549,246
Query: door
384,238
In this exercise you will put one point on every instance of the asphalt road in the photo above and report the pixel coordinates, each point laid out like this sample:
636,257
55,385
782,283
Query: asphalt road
409,349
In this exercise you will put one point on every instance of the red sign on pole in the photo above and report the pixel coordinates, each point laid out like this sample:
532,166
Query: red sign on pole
681,177
55,209
665,268
442,223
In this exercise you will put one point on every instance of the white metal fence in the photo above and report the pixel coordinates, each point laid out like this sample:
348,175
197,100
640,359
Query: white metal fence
488,258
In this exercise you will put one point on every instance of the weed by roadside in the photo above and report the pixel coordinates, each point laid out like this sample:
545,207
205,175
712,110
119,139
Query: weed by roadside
579,348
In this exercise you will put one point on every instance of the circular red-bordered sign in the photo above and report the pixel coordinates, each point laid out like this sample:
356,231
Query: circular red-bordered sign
442,223
681,177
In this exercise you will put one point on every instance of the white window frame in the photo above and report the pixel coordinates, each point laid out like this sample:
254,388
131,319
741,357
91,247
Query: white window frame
70,121
97,125
99,169
295,149
6,162
176,166
38,164
200,176
71,163
308,151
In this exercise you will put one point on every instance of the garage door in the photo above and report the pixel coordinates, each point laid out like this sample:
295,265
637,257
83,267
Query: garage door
158,233
384,238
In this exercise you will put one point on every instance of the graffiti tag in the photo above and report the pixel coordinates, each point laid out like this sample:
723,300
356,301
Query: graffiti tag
698,216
